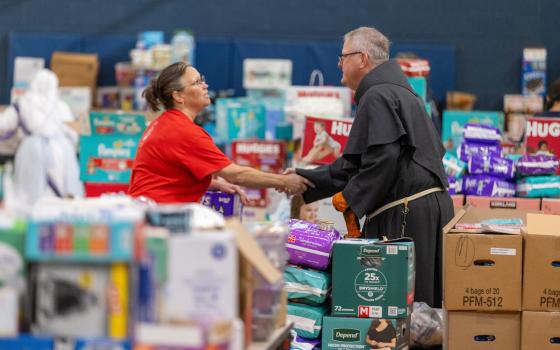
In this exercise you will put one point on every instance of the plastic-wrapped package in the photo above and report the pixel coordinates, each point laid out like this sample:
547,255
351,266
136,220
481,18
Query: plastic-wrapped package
537,164
467,149
299,343
489,186
426,326
307,285
482,133
307,319
491,165
310,244
539,186
455,185
454,167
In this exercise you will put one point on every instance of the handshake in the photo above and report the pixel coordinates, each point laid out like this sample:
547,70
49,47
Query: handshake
293,184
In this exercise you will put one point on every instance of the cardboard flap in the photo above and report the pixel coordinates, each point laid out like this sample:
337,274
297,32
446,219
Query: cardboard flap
250,250
542,224
456,218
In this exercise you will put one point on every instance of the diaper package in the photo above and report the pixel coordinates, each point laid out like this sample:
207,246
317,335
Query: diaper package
307,285
467,149
482,133
299,343
311,244
488,186
539,186
454,167
455,185
491,165
308,320
537,164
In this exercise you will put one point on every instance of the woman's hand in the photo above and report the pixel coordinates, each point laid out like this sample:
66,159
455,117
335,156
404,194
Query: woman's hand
224,186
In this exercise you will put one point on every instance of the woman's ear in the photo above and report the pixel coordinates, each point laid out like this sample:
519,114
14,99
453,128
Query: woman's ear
177,98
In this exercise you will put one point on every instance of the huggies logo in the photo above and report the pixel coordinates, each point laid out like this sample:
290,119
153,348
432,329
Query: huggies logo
539,129
340,128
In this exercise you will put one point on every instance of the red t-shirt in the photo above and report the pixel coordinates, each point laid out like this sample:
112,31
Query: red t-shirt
175,160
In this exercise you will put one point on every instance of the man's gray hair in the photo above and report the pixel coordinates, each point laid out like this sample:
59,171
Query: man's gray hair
370,40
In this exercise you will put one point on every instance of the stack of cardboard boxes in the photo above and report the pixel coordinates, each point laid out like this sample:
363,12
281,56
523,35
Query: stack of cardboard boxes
372,296
501,290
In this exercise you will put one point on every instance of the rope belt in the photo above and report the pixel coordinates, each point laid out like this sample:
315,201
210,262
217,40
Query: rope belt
405,202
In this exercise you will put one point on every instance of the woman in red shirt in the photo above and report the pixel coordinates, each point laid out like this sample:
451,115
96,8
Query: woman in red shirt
177,161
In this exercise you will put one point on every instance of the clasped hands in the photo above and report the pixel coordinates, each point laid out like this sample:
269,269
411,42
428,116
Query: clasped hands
294,184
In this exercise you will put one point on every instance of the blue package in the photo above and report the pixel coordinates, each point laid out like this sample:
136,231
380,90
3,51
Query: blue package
308,320
306,284
539,186
27,342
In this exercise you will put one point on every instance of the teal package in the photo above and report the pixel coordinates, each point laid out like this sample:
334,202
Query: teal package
453,166
539,186
373,278
239,118
453,123
361,333
307,319
124,124
420,86
306,284
107,158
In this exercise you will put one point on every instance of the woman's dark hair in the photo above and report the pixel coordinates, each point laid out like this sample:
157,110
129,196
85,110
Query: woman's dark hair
553,94
374,323
160,90
297,203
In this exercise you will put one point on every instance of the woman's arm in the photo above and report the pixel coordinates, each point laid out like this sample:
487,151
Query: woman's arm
252,178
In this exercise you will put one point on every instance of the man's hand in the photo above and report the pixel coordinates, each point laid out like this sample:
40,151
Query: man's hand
294,184
224,186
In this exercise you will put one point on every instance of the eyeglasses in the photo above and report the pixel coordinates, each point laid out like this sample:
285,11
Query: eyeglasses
342,56
201,80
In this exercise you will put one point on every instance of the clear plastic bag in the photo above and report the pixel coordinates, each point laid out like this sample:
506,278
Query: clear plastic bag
426,326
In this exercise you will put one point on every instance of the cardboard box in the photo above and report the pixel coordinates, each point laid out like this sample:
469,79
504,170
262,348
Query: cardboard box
541,271
543,134
373,279
550,206
458,201
482,271
525,204
78,99
107,159
540,330
75,69
324,139
478,330
25,69
354,333
267,73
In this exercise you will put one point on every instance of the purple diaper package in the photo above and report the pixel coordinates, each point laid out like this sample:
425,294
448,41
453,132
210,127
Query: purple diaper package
482,134
487,186
491,165
227,204
467,149
455,185
311,244
537,164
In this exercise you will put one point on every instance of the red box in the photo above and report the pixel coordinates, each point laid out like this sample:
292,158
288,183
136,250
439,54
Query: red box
94,189
324,139
525,204
543,135
268,156
551,206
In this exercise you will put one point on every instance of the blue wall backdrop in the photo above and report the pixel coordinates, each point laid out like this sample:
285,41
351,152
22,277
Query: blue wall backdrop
488,36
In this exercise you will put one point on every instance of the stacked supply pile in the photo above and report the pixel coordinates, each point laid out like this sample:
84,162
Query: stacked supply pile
106,156
537,176
373,293
79,255
489,174
482,279
307,281
541,283
148,58
518,109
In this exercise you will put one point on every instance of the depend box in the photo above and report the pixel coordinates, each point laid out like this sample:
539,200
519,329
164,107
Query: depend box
360,333
102,123
454,121
483,331
372,278
227,204
107,158
541,271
